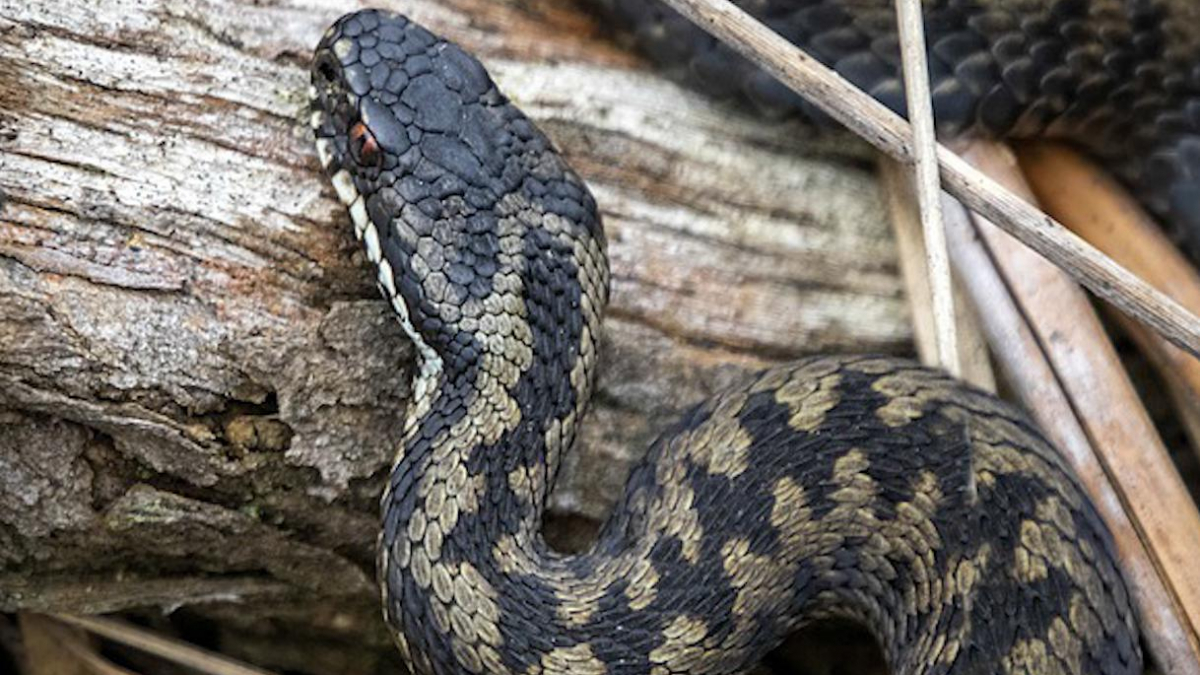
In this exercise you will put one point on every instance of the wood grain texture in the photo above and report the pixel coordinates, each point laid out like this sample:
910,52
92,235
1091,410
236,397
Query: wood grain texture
199,389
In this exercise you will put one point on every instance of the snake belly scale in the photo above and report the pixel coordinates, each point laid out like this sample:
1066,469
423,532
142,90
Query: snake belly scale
866,488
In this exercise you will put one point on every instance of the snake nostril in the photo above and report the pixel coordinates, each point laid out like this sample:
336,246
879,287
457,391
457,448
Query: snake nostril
326,70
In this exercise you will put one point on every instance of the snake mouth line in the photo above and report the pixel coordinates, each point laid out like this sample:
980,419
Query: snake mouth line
430,363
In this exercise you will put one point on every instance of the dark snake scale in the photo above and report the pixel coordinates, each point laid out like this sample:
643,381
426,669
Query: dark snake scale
864,488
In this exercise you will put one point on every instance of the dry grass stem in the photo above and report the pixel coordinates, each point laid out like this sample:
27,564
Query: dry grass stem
928,185
52,648
175,651
972,349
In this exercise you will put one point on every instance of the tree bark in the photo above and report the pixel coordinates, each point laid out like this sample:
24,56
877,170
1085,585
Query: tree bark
199,388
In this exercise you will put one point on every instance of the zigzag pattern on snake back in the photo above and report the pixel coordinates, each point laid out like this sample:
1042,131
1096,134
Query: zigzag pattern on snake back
859,487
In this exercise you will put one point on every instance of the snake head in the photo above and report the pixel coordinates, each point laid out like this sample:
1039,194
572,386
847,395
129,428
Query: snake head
474,222
360,69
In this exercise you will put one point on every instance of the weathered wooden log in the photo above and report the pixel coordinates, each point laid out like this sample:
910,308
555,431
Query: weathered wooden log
199,389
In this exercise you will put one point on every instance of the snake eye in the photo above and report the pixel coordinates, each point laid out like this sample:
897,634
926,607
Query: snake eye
363,145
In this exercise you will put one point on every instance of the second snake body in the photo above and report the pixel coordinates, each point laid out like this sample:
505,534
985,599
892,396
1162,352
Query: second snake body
1119,77
858,487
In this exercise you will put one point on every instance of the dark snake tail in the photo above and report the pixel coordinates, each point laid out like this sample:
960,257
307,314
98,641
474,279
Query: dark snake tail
866,488
1119,77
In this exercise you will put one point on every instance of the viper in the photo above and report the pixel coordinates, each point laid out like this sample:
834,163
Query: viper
863,488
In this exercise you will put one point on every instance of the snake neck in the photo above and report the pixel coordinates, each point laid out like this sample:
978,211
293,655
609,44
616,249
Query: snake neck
463,507
504,296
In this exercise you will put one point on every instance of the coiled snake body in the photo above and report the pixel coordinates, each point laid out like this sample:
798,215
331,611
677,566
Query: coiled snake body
858,487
